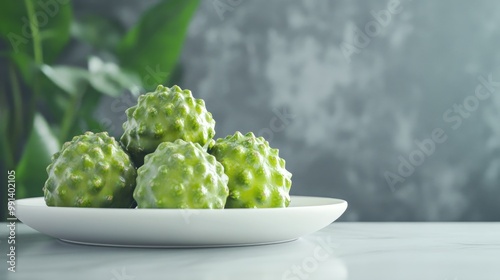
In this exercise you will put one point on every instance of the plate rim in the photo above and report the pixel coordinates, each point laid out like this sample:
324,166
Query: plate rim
333,201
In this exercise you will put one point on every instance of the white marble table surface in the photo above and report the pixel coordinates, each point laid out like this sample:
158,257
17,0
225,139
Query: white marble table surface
385,251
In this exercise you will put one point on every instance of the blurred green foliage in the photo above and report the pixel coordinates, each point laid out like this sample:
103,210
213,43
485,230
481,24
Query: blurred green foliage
43,104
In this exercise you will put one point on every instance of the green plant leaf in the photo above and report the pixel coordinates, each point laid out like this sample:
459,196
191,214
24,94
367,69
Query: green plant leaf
54,100
86,120
106,78
109,79
54,18
99,32
151,48
25,64
30,171
69,79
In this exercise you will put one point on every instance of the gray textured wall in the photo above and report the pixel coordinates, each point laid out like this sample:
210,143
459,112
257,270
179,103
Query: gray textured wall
354,116
345,109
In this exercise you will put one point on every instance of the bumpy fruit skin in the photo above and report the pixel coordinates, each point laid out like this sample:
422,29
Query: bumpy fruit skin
181,174
257,175
165,115
92,170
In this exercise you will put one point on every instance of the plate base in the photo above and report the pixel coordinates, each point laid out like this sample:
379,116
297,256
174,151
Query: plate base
176,246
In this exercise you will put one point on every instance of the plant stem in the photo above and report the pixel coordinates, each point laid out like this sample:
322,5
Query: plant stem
4,127
18,116
38,57
35,32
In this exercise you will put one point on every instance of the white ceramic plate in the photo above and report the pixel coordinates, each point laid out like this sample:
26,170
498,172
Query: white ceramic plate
180,227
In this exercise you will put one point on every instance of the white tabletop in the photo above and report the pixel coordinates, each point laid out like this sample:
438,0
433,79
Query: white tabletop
402,251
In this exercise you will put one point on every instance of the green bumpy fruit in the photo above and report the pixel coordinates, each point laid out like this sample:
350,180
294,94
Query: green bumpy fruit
166,115
257,175
181,174
92,170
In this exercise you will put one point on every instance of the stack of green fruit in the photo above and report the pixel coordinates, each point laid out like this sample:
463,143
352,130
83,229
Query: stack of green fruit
167,158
